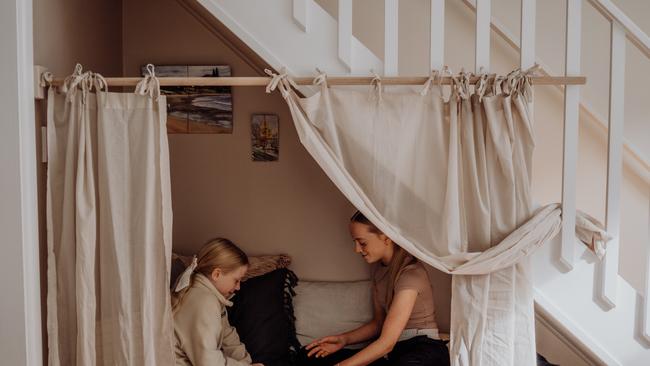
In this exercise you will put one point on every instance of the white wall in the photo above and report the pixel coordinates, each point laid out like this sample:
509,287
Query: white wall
20,337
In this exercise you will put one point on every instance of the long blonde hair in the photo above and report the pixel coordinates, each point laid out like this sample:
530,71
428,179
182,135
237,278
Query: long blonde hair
216,253
401,258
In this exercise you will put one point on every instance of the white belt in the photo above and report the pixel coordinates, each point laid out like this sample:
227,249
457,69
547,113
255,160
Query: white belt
411,333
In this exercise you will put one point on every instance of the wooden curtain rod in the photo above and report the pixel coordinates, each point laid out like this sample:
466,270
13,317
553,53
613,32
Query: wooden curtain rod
333,80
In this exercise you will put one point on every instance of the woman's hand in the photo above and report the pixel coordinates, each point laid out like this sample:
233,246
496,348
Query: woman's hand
257,364
325,346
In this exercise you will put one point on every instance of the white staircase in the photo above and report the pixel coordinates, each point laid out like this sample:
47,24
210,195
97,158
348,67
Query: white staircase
300,43
599,313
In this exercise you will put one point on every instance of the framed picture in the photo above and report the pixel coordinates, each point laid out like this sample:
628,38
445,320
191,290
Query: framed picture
265,137
197,109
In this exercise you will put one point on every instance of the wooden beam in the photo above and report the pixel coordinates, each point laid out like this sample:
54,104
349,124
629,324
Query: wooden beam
331,80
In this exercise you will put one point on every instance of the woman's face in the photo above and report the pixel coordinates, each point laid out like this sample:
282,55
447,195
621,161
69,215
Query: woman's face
227,283
373,247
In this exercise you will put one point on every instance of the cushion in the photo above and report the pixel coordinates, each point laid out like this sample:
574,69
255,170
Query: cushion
263,317
328,308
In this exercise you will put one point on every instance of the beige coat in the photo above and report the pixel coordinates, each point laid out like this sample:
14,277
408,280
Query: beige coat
203,335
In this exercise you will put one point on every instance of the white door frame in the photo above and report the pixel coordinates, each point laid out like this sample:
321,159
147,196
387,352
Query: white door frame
20,306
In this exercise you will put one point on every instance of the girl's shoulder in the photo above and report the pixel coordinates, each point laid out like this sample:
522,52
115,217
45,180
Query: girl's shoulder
413,275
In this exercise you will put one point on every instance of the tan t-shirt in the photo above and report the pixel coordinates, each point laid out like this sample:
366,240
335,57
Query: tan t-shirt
414,276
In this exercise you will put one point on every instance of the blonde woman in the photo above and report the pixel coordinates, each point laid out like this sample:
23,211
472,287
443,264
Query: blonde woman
403,329
203,335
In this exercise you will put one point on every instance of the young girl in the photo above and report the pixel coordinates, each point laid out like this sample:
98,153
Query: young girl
203,335
404,317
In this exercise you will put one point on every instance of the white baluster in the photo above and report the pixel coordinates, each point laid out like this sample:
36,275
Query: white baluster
645,330
391,11
300,10
345,32
609,275
482,35
437,46
571,121
527,55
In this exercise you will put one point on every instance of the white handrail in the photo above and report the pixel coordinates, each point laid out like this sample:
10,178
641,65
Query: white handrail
632,31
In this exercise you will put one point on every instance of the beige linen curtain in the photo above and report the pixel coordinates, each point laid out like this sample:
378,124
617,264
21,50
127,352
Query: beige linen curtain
108,225
450,182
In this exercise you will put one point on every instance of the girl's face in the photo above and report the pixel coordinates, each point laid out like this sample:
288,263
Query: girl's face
373,247
227,283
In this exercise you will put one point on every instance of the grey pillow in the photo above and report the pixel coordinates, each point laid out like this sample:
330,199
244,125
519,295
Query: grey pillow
328,308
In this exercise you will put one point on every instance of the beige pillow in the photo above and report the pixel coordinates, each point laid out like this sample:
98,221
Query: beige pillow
329,308
264,264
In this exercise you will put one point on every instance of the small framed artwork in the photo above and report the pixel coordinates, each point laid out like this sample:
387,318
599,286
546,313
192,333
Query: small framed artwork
265,137
197,109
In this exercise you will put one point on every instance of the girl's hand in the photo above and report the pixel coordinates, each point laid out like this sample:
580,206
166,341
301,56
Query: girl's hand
325,346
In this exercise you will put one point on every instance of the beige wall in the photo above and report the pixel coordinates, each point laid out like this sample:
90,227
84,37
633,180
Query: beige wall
289,206
284,207
71,31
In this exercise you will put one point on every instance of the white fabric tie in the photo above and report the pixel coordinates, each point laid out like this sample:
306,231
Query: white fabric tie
184,279
376,86
150,84
321,78
281,81
427,84
79,80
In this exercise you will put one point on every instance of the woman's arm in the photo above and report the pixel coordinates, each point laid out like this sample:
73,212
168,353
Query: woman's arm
396,320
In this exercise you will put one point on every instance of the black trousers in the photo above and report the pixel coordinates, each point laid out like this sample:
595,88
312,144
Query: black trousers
417,351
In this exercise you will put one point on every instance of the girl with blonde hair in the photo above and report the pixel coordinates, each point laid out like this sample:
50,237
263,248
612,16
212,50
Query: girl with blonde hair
203,335
403,329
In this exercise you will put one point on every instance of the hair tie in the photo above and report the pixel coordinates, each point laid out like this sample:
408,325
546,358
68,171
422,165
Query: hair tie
183,280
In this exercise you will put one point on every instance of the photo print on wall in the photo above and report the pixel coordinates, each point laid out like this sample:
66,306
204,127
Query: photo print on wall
197,109
265,137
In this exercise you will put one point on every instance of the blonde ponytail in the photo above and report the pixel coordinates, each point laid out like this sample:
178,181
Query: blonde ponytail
217,253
